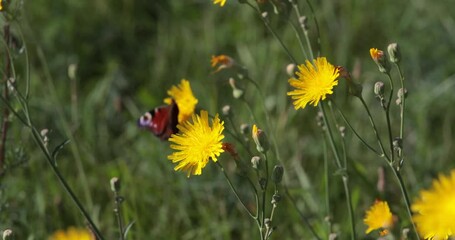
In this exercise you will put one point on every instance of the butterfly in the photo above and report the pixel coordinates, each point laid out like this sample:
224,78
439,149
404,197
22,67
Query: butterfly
161,121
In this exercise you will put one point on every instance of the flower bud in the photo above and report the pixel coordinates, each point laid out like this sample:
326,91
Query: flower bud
8,234
262,183
277,174
72,70
402,93
290,69
303,20
276,198
379,89
259,137
115,184
264,15
221,62
401,96
380,59
244,128
342,130
256,162
394,52
397,143
227,110
268,223
236,92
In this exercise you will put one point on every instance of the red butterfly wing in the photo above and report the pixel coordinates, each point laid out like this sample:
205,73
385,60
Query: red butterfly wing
161,121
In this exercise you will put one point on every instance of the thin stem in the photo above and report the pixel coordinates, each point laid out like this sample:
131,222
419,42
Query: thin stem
304,30
330,135
302,216
402,107
354,131
327,189
404,192
234,190
318,33
338,162
370,117
118,214
349,204
264,189
267,118
305,54
266,23
7,75
62,180
387,113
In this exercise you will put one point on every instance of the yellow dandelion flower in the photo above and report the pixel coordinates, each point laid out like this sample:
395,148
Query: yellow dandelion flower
184,98
221,2
378,217
72,233
314,82
221,62
196,143
434,210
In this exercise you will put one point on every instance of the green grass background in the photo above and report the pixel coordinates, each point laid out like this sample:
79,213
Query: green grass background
129,53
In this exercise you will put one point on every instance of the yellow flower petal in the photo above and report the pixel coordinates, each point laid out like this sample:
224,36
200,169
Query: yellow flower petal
184,98
72,233
378,217
314,82
197,143
221,2
434,210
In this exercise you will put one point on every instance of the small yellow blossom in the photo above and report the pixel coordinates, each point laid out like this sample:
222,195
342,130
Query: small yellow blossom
72,233
221,62
197,143
221,2
314,82
376,54
434,210
1,5
379,58
378,217
184,98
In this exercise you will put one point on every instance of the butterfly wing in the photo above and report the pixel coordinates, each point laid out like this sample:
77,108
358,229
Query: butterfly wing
161,121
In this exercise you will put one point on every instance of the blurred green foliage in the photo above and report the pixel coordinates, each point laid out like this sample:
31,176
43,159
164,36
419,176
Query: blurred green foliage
128,53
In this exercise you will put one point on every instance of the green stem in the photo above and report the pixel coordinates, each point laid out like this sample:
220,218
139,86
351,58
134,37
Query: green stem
404,192
266,23
338,162
299,38
354,131
387,114
302,216
118,214
264,190
370,117
402,107
403,101
327,189
38,140
234,190
330,135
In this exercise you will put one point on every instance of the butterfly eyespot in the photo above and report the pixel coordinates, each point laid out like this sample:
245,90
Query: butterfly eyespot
161,121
